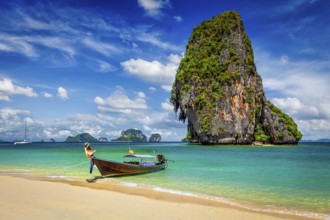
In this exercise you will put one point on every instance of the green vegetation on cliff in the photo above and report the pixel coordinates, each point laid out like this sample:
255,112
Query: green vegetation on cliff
287,120
259,133
209,64
84,137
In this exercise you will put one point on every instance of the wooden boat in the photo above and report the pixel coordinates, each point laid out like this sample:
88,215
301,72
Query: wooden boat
131,165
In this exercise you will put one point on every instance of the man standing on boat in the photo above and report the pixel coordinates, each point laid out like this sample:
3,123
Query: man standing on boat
89,154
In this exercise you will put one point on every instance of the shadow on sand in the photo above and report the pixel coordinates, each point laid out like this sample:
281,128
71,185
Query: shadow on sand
93,180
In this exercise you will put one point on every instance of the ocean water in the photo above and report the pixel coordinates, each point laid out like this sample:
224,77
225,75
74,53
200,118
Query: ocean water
280,179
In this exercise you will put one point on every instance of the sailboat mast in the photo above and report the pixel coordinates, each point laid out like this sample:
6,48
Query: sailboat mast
25,131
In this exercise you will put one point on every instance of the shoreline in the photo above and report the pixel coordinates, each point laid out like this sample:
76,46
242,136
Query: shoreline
153,200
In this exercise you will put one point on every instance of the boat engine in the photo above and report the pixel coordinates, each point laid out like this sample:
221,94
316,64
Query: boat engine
161,158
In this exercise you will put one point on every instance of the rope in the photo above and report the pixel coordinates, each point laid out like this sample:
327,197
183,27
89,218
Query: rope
67,167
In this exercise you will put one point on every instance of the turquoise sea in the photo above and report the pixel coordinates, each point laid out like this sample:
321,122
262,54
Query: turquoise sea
281,179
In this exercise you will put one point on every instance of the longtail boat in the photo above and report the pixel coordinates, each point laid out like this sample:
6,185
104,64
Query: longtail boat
132,164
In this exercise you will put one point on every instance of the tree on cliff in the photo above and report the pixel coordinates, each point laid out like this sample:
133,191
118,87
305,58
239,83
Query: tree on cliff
218,89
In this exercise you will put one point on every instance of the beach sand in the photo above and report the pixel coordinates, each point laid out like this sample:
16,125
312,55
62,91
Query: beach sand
22,198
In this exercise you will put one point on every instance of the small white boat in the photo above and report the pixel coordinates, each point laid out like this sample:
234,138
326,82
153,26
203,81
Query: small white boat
23,141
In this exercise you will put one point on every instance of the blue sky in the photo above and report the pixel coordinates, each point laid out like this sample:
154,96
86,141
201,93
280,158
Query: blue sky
68,67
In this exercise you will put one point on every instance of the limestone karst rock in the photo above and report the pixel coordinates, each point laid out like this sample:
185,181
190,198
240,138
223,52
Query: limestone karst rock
155,138
133,135
217,88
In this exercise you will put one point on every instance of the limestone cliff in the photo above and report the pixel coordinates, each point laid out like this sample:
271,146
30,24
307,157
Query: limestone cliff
219,90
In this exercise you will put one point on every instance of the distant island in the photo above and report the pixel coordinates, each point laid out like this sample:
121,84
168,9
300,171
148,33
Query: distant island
134,135
154,138
130,135
103,139
84,137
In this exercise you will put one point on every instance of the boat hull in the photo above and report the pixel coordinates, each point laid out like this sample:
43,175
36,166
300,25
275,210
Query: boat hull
114,168
21,142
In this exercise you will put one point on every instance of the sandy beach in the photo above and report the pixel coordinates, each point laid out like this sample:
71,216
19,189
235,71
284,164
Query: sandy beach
22,198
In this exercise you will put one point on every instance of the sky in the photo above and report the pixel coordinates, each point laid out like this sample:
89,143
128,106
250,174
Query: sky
74,66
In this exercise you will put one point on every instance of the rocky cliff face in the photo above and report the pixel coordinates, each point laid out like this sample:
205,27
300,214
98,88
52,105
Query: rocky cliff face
219,90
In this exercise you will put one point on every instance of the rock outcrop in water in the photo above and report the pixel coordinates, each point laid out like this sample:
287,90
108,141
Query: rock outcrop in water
84,137
132,135
155,138
217,88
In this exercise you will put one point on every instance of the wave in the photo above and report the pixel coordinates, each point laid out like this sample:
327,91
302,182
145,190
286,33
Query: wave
61,177
233,203
129,184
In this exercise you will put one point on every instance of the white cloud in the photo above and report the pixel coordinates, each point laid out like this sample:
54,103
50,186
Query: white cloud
62,93
10,113
290,105
32,23
152,89
119,109
167,106
5,47
49,132
7,89
47,95
116,133
294,108
47,24
141,95
153,7
154,71
100,47
325,110
154,40
314,129
146,128
178,18
166,87
11,119
119,102
292,6
105,67
300,88
17,44
60,43
305,80
26,45
284,59
96,125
